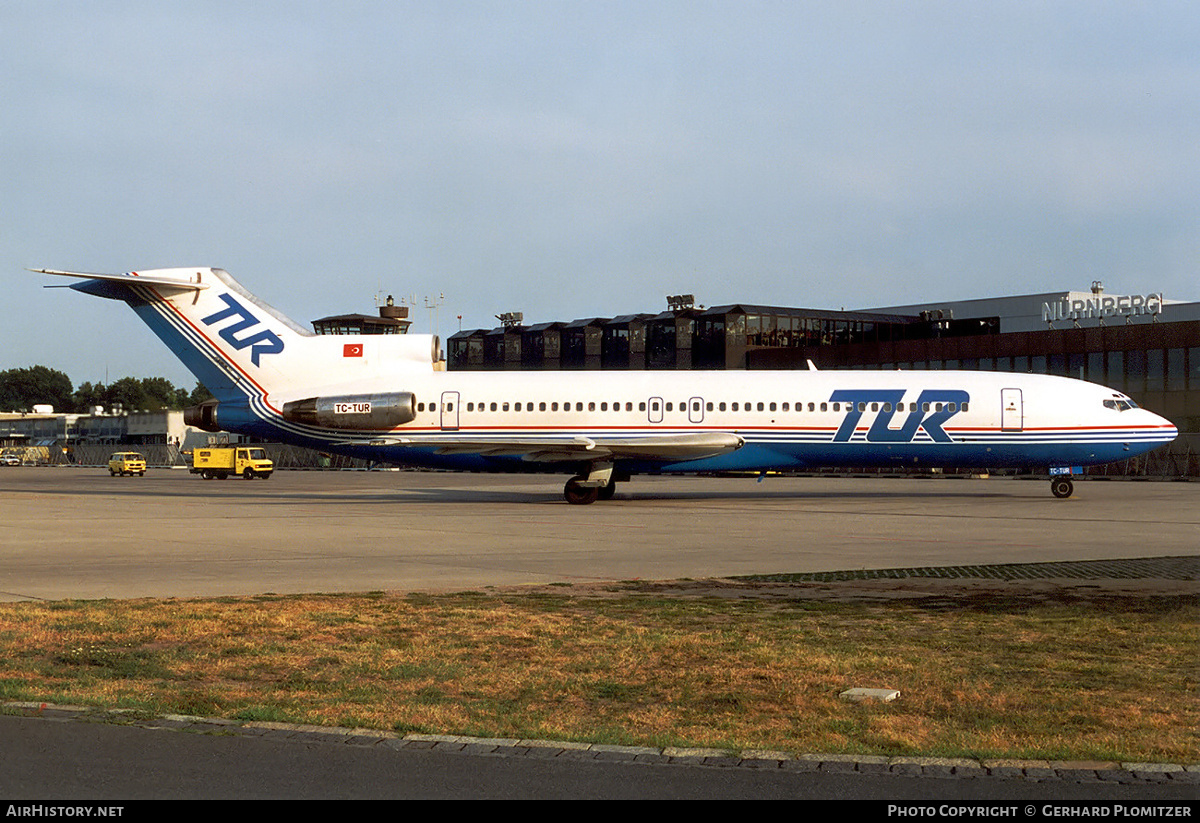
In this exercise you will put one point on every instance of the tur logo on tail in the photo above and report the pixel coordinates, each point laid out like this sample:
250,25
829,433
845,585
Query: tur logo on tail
262,342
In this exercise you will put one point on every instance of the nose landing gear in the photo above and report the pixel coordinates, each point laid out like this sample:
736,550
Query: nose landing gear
1061,486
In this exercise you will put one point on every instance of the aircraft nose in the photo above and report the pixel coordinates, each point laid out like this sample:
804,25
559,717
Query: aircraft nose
1166,428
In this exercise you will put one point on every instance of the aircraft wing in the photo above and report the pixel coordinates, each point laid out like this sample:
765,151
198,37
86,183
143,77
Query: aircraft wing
666,447
131,279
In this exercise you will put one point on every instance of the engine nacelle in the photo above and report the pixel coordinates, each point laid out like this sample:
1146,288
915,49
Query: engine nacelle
203,417
354,412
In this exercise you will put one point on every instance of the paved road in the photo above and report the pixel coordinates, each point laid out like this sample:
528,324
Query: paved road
80,533
44,758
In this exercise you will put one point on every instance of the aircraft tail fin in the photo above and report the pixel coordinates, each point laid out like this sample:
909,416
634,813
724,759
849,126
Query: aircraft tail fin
246,352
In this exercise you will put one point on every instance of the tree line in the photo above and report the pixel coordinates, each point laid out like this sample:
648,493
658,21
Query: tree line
22,389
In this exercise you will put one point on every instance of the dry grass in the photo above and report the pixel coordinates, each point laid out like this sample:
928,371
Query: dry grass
1109,680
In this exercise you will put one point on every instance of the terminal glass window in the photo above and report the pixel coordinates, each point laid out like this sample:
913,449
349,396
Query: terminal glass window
1135,371
1155,371
1116,370
1176,373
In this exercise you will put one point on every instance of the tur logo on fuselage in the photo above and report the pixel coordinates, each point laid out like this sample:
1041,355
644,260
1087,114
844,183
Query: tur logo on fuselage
931,411
262,342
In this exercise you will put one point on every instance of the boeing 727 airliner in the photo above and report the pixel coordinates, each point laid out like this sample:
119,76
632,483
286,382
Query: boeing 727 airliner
382,398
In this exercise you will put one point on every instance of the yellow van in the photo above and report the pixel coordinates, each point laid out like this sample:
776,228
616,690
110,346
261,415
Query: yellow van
127,463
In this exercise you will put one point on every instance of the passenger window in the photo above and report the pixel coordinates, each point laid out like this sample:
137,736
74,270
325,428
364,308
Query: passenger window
592,406
493,405
541,406
517,407
964,406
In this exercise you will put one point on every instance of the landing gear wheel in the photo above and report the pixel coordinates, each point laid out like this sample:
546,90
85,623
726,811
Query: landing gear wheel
1062,487
580,495
607,492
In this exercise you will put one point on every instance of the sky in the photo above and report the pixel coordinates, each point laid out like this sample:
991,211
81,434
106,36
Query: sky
576,159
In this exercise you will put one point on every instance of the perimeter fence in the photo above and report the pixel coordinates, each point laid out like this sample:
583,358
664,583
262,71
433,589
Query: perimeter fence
1180,459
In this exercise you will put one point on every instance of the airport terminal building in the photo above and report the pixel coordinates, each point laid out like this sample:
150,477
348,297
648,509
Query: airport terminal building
1145,345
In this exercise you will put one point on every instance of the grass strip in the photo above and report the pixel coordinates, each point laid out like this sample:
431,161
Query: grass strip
1115,679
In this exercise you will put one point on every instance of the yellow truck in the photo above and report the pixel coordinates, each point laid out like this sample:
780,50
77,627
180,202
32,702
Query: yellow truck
221,461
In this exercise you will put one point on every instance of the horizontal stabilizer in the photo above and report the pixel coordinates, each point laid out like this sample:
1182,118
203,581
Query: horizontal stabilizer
184,282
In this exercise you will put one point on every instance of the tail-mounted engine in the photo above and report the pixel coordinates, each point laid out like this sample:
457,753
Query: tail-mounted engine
353,412
203,417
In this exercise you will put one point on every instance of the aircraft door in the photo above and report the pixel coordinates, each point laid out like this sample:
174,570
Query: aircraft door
1012,410
654,408
696,410
449,411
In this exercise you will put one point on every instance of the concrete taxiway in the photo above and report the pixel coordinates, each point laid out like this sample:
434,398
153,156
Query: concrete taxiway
79,533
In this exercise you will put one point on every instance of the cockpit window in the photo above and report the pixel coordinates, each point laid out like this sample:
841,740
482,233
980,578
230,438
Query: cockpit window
1120,404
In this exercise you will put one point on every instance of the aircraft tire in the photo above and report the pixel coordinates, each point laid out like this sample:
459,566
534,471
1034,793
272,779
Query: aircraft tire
607,492
580,495
1062,487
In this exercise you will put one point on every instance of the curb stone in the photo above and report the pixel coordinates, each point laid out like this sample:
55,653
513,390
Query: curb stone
1037,770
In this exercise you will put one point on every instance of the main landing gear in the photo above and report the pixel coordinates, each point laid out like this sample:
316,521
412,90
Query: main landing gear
580,495
600,483
1061,486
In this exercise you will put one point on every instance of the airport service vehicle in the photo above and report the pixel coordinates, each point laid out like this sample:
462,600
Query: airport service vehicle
9,460
383,398
221,461
124,463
